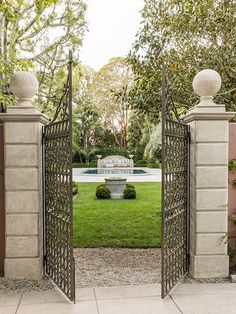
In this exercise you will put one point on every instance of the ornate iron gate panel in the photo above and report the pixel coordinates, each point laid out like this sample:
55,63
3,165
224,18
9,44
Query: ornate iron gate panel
175,193
58,211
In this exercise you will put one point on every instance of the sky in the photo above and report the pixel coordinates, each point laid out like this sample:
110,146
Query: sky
112,25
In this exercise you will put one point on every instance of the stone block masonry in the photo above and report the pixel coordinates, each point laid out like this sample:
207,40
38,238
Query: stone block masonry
23,182
208,180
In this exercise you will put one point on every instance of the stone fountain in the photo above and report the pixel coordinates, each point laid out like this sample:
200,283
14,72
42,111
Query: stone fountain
116,185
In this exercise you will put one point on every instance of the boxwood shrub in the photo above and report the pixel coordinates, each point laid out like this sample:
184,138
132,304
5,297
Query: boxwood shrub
102,192
129,192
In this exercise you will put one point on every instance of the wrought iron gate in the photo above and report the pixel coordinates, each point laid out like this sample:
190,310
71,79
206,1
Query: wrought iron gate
175,192
58,212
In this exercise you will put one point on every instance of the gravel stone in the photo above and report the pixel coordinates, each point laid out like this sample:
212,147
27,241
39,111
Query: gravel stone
23,285
116,266
99,267
189,279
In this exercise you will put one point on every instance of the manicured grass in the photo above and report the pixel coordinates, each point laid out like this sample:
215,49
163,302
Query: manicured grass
118,223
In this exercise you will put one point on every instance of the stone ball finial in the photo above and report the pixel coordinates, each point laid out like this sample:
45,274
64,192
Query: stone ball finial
206,83
24,85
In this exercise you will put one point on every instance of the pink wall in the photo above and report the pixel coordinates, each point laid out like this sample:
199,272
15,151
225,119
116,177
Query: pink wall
232,192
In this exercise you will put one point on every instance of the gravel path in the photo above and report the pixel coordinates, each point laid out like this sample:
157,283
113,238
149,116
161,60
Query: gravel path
106,267
115,267
189,279
18,286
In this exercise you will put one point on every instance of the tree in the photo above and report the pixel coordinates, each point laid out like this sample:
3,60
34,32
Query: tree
37,35
88,153
110,97
187,36
88,126
152,140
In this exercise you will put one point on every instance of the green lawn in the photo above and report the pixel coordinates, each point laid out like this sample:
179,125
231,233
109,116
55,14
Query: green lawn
118,223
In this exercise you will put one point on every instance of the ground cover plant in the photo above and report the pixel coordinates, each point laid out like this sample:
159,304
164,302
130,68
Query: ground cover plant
118,223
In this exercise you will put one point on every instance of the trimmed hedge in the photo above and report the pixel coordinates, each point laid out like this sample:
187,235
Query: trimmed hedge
129,193
102,192
131,186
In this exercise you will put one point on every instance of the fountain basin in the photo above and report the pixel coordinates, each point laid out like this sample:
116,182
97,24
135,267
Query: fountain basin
116,185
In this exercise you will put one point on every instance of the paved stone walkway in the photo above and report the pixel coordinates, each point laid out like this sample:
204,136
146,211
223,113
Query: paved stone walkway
186,298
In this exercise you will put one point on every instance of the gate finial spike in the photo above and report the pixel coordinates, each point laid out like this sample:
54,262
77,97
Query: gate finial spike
206,84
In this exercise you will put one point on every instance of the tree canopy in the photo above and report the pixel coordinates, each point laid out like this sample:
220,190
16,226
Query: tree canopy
187,36
37,35
110,97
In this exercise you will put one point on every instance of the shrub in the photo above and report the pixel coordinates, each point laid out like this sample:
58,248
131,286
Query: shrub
102,192
109,151
101,185
140,163
130,186
129,193
232,164
74,188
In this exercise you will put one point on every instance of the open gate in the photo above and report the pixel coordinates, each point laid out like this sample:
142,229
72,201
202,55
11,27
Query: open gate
58,211
175,192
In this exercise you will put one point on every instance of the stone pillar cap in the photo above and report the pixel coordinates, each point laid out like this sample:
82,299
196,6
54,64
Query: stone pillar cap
24,85
206,83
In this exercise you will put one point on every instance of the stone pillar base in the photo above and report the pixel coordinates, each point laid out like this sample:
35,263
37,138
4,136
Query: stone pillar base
23,268
209,266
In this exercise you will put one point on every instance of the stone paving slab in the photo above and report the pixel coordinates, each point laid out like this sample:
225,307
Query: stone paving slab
50,296
205,288
149,305
206,304
8,309
140,299
85,294
128,292
9,299
81,307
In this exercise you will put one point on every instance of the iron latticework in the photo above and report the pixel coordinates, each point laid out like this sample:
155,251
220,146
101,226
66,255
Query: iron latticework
175,192
58,213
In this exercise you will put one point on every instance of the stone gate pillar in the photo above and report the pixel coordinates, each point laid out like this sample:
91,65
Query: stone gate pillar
23,181
208,179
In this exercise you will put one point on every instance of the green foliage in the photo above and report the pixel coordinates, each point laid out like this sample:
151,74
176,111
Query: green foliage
75,188
152,138
102,192
110,151
27,43
231,252
118,223
141,163
232,165
92,164
137,150
89,153
187,36
129,193
233,219
130,186
110,97
147,162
